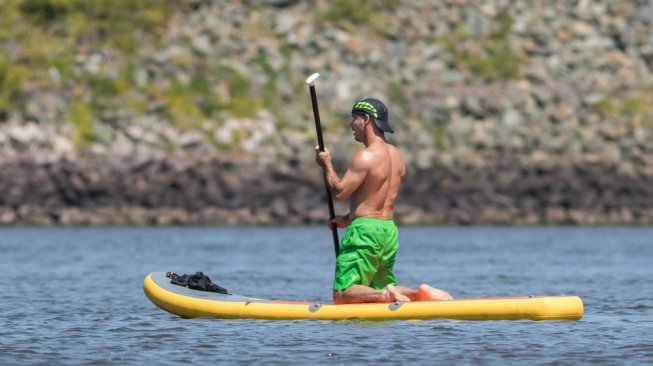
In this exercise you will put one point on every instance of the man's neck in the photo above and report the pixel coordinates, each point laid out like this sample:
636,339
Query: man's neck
373,138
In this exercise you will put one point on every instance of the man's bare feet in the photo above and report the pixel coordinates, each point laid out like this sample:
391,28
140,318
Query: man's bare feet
428,293
395,295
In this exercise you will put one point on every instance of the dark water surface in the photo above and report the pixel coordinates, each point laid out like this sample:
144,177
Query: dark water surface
74,296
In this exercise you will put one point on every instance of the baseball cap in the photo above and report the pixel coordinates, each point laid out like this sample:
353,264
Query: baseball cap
375,109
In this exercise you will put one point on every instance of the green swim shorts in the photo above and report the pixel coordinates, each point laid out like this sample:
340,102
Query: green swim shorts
367,254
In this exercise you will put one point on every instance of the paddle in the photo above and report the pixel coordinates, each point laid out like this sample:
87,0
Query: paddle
318,128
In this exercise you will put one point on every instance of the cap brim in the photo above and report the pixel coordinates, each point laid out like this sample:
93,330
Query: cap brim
383,125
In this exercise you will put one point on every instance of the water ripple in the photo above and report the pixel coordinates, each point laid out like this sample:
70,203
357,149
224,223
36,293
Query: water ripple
88,307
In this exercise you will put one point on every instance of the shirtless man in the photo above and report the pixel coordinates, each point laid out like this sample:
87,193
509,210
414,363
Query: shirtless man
364,267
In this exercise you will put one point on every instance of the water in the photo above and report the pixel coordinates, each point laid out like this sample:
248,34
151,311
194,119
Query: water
74,296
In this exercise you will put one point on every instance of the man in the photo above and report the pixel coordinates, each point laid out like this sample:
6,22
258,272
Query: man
364,267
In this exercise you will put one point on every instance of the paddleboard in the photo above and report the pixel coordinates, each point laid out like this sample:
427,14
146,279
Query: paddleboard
190,303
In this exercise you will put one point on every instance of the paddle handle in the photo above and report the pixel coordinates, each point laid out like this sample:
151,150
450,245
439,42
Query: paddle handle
320,143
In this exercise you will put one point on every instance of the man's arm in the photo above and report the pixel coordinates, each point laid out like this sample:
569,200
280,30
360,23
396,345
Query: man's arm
353,178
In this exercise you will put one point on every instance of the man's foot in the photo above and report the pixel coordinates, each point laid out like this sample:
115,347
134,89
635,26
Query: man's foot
395,295
428,293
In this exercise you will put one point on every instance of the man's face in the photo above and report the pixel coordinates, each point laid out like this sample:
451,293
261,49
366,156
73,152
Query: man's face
357,125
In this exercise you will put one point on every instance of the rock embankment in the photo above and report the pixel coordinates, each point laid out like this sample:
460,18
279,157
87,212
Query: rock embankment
514,112
205,190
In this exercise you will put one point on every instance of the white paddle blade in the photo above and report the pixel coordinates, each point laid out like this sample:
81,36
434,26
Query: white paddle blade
311,79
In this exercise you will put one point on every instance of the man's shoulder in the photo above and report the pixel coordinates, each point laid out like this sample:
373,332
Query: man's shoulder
364,155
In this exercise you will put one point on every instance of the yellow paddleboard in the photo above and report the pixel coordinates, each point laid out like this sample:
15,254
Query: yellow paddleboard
189,303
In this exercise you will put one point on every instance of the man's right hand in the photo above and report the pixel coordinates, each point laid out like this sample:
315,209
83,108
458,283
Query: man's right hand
322,158
340,222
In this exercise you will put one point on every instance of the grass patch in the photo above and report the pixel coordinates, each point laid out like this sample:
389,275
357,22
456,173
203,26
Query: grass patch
12,77
353,14
634,106
190,104
81,116
49,35
490,56
57,34
439,134
118,24
241,103
182,107
97,17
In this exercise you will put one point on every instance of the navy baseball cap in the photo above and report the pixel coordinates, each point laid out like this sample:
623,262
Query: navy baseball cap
375,109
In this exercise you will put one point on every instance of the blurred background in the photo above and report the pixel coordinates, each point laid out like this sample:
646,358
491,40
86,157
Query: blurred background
160,112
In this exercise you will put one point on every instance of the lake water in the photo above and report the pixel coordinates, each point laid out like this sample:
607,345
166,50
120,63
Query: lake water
74,296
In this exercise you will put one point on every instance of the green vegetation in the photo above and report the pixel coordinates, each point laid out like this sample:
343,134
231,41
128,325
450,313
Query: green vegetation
81,116
356,13
43,39
241,103
181,106
92,50
111,21
439,134
489,57
634,106
12,77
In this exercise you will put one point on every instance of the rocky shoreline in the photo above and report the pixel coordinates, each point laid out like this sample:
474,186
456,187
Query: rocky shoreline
526,113
213,191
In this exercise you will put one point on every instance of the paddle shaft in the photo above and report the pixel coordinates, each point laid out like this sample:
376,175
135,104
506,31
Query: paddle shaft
320,143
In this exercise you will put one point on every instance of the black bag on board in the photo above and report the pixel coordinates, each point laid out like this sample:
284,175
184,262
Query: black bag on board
199,281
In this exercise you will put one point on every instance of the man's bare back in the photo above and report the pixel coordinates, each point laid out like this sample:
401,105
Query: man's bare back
384,170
